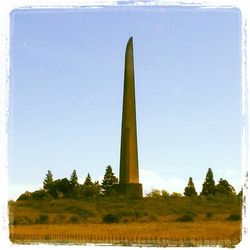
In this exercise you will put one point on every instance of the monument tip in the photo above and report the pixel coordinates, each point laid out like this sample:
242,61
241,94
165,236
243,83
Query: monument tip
129,44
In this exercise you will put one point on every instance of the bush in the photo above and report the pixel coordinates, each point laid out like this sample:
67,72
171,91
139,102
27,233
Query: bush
155,193
186,218
234,217
25,196
138,214
59,219
176,195
126,213
80,211
21,221
111,218
152,218
42,219
74,219
209,215
41,195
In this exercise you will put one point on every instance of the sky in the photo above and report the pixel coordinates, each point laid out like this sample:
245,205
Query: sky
66,83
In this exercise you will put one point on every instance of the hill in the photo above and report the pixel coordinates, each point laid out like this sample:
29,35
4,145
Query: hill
211,218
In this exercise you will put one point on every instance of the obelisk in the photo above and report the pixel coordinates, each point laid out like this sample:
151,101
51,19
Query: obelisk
129,170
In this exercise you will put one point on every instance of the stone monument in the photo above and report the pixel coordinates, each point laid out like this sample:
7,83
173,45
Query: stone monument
129,184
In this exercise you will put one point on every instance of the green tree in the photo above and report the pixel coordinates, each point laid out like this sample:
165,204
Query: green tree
208,186
59,188
164,194
109,181
48,180
75,190
240,194
90,189
176,195
223,187
190,188
97,188
155,193
88,181
74,179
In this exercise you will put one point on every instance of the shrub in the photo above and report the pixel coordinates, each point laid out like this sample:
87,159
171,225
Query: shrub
234,217
164,194
25,196
209,215
176,195
152,218
85,213
74,219
138,214
185,218
21,221
155,193
125,220
42,219
59,219
111,218
41,195
126,213
80,211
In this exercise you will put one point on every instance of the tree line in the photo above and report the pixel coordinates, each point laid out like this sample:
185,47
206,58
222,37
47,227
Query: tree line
72,189
208,188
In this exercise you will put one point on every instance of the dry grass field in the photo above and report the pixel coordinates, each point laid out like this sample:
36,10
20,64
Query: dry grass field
155,233
155,222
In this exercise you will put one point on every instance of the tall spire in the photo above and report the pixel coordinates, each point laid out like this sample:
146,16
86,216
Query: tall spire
129,172
129,153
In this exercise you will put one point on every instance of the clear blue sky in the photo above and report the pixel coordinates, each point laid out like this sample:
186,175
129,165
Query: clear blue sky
67,70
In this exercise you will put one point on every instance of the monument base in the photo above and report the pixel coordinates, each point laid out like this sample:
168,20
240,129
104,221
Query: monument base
130,190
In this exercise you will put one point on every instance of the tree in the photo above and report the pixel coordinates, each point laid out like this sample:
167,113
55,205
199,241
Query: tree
208,186
223,187
64,186
41,195
88,181
155,193
164,194
190,188
25,196
240,194
74,179
90,189
59,188
176,195
98,187
109,181
48,180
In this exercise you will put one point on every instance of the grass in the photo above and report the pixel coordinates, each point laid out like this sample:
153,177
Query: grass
170,233
200,220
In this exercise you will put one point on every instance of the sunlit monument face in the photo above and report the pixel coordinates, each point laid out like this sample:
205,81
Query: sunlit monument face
129,171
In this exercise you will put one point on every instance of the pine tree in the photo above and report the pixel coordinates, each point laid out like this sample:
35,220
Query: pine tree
109,181
88,181
74,179
90,189
190,188
223,187
48,180
209,184
97,187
